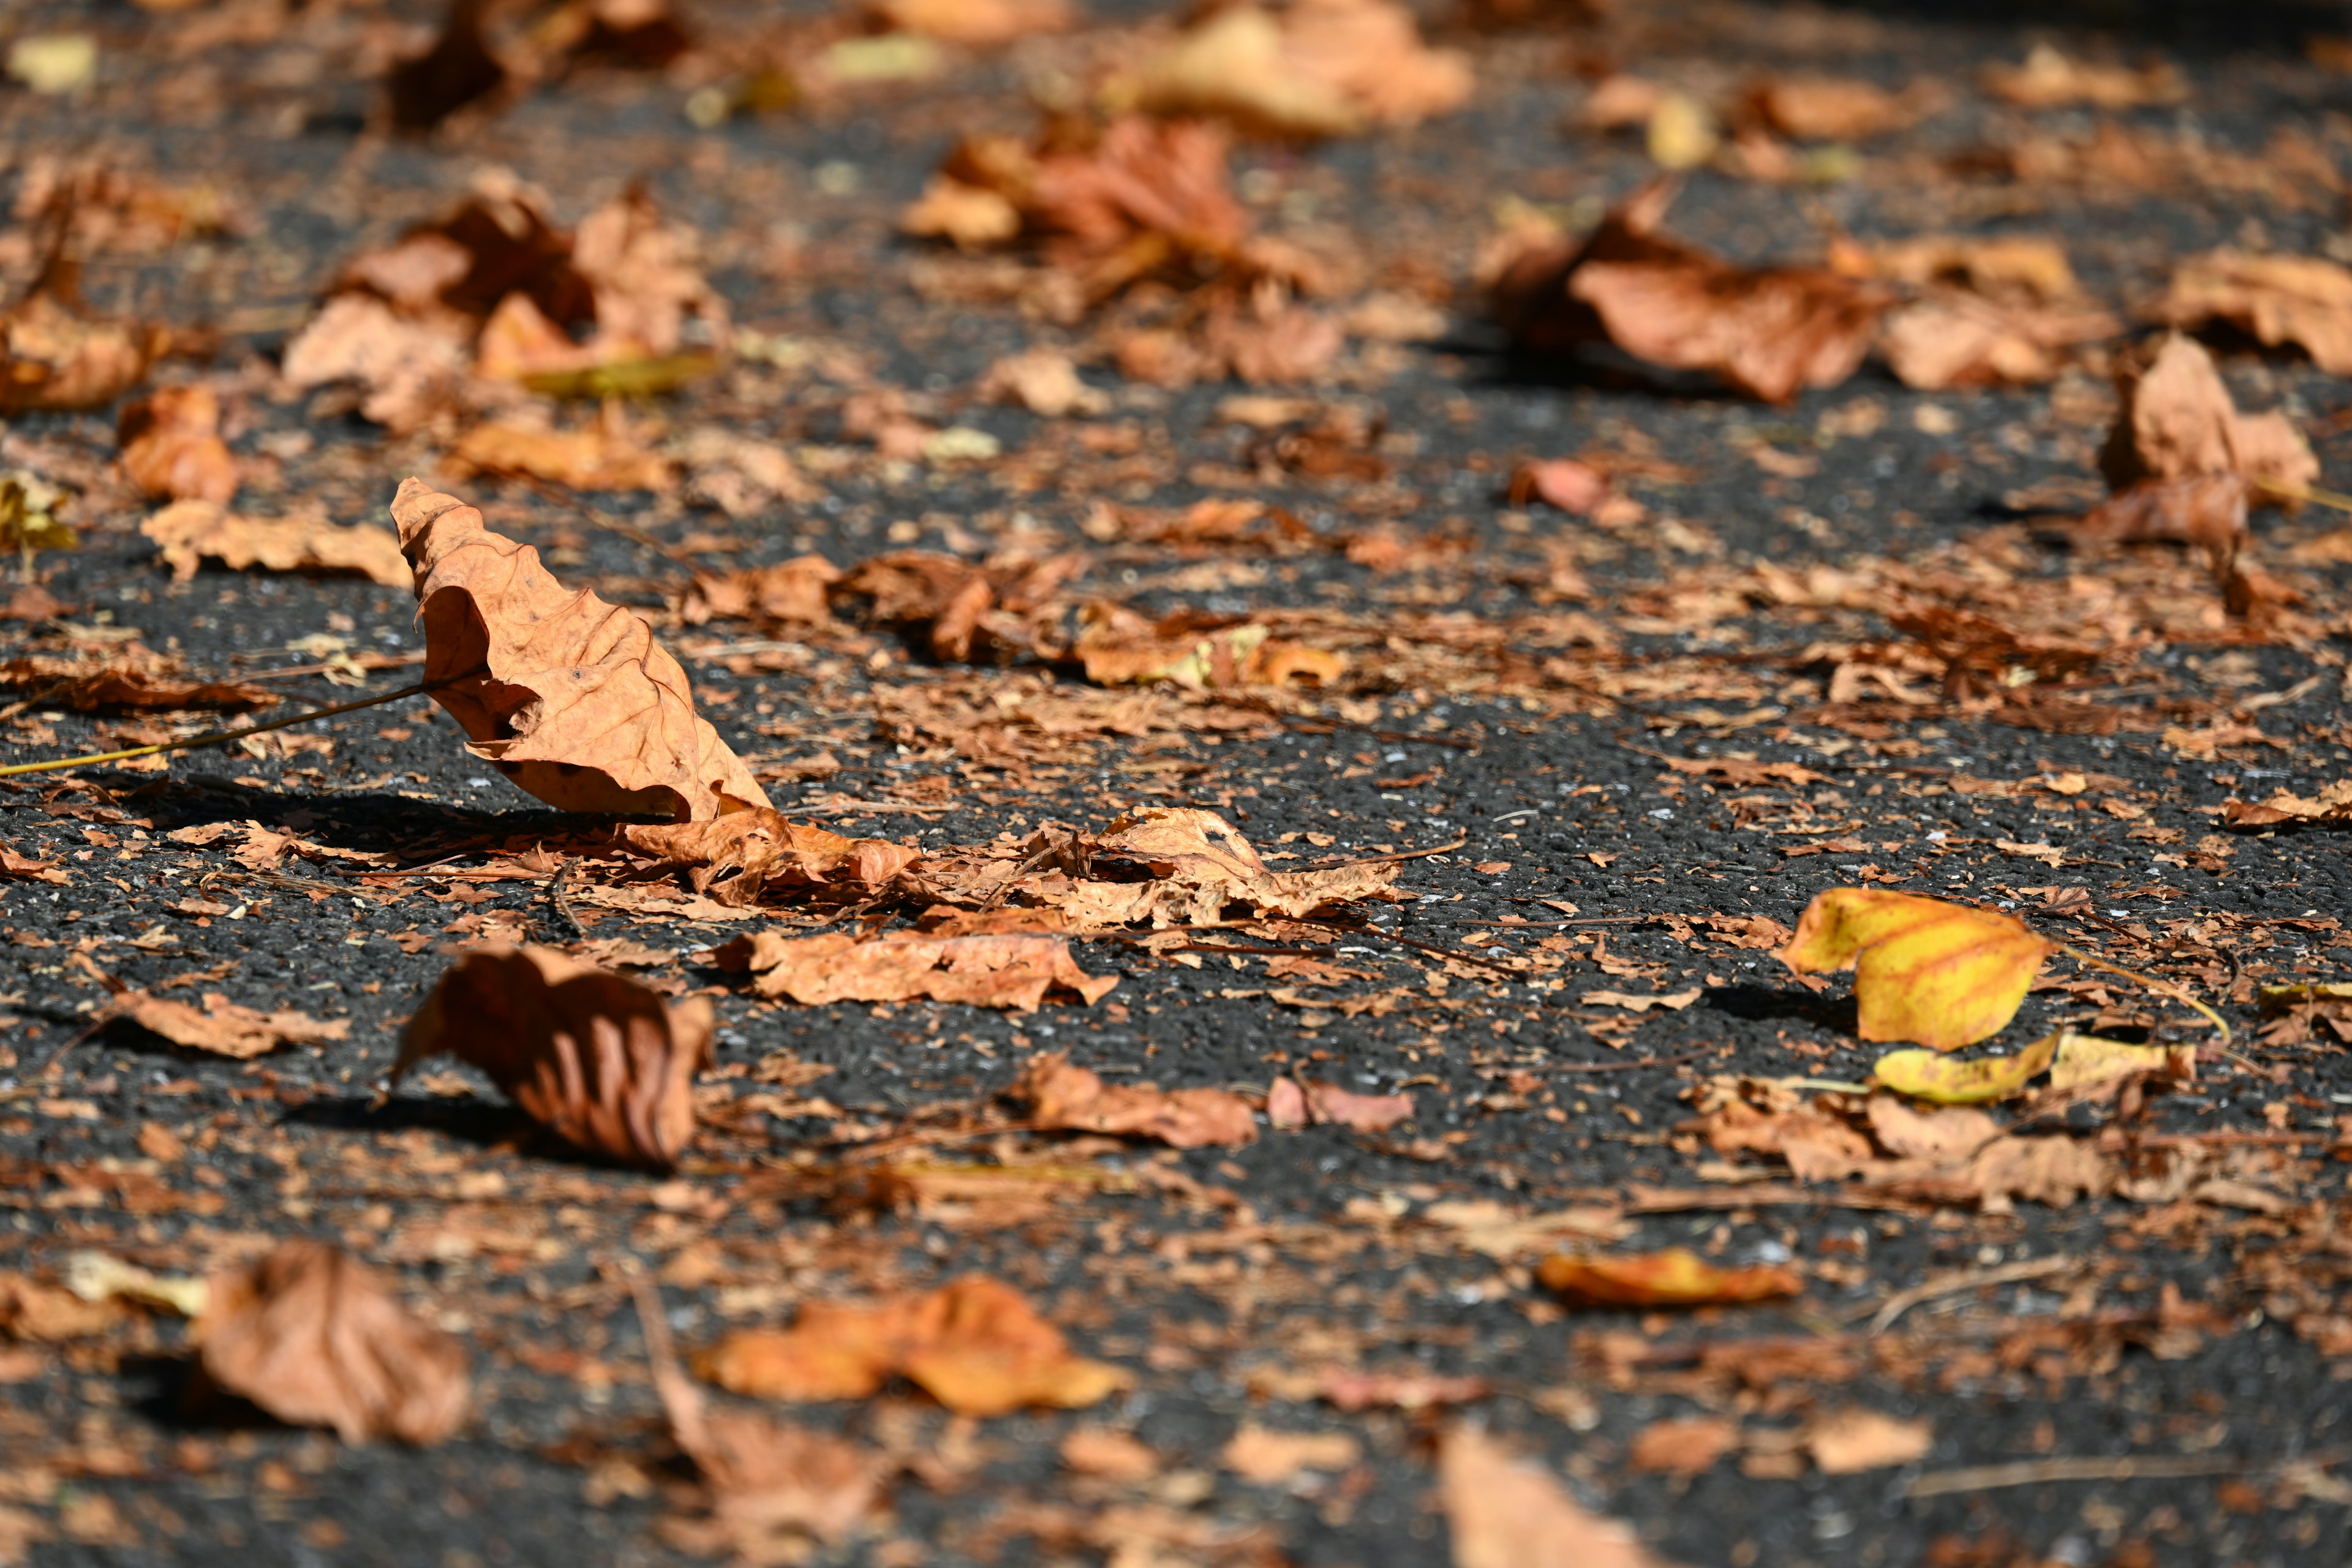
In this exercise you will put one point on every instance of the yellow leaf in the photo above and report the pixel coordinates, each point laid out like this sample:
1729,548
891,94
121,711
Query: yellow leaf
1941,974
2086,1059
1681,133
1925,1075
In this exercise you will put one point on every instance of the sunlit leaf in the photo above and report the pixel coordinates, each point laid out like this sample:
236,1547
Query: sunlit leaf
1925,1075
1676,1277
2087,1059
1942,974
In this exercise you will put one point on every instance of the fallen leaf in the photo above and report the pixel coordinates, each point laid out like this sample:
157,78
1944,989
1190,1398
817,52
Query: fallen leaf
223,1029
130,678
1266,1457
1014,970
1111,1455
1672,1001
2332,804
1043,382
1768,332
2206,512
1304,1102
50,1314
53,356
1849,1441
738,857
1072,1098
99,1277
593,1056
790,593
2049,79
975,24
1675,1277
1563,482
1681,132
1954,338
1120,648
1944,1080
189,531
311,1336
1944,975
2298,299
457,68
1688,1447
1319,68
2087,1059
1839,108
172,446
596,457
765,1477
976,1345
24,868
1504,1512
1997,266
568,696
2177,421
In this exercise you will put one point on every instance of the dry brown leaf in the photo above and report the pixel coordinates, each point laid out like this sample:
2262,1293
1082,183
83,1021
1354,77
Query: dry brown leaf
766,1478
1041,381
2206,511
790,593
1506,1511
570,696
2176,420
1118,647
1071,1098
601,455
52,1314
1838,108
1316,67
186,532
975,24
1850,1441
976,1345
2298,299
738,857
24,868
54,357
1768,332
1304,1102
1144,198
1953,338
1266,1457
2049,79
593,1056
1688,1447
127,677
1997,265
223,1029
1674,1277
313,1337
965,612
2332,804
1014,971
172,446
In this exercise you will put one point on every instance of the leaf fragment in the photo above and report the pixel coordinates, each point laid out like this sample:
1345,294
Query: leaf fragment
313,1337
976,1345
172,446
1675,1277
223,1029
593,1057
1945,1081
1945,975
1506,1511
1014,970
1073,1099
189,531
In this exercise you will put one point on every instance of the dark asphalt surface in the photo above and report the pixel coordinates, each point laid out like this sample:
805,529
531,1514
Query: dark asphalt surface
1304,1247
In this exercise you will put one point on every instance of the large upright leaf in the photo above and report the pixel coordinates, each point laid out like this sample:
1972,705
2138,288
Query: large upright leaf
569,696
1942,974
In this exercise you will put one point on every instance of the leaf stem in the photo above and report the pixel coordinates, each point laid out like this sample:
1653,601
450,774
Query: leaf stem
216,737
2161,987
2336,499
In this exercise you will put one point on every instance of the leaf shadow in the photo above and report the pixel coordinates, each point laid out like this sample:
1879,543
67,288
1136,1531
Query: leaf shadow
1763,1004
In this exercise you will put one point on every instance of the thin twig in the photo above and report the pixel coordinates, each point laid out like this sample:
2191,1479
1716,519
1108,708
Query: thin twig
216,737
2035,1472
1902,1302
2161,987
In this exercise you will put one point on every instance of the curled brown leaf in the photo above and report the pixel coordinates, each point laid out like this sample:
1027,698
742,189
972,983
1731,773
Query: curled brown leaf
1072,1098
593,1057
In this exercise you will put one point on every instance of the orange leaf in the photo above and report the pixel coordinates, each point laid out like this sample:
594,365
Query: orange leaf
1073,1099
976,1345
593,1056
172,446
569,696
1676,1277
1944,975
1010,970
